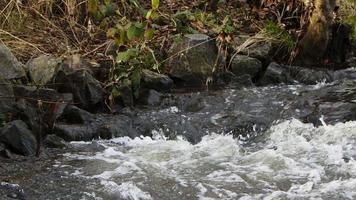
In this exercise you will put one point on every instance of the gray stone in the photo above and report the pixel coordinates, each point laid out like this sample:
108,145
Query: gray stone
43,69
75,132
87,91
117,126
53,104
310,76
53,141
275,74
244,65
156,81
345,74
150,98
7,98
192,61
262,50
10,67
18,138
75,115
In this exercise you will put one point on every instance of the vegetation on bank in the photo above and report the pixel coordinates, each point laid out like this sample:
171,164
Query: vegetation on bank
136,34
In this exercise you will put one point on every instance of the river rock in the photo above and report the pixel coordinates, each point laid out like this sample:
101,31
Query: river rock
275,74
242,65
192,61
310,76
150,98
5,153
18,138
75,132
6,98
117,126
75,115
262,50
43,69
156,81
87,91
52,105
53,141
10,67
345,74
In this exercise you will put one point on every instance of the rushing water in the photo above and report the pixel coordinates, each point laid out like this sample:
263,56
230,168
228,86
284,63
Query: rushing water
291,160
231,144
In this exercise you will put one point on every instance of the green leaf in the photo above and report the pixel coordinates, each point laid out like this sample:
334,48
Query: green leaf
149,34
148,14
155,4
126,55
135,31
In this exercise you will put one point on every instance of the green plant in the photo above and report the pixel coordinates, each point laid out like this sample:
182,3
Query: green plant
351,20
132,37
279,35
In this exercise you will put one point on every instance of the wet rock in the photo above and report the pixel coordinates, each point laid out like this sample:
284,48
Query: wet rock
6,99
345,74
18,138
43,69
75,115
195,104
75,132
262,50
124,96
156,81
5,153
291,74
192,60
275,74
53,141
150,98
13,191
87,91
52,105
10,67
244,65
117,126
310,76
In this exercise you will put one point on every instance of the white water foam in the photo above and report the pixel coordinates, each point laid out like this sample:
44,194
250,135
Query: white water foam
294,161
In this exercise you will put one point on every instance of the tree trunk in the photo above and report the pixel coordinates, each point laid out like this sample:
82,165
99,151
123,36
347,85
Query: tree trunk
312,48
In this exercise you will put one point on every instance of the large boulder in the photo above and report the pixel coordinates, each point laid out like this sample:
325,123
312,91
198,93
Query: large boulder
43,69
275,74
262,50
52,105
17,136
244,65
75,132
156,81
87,91
10,67
310,76
53,141
7,98
192,60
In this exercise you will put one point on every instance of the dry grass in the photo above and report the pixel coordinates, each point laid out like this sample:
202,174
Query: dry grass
58,27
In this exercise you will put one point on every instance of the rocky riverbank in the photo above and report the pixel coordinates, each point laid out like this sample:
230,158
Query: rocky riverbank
58,100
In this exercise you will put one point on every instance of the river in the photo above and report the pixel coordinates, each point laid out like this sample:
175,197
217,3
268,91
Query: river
284,149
